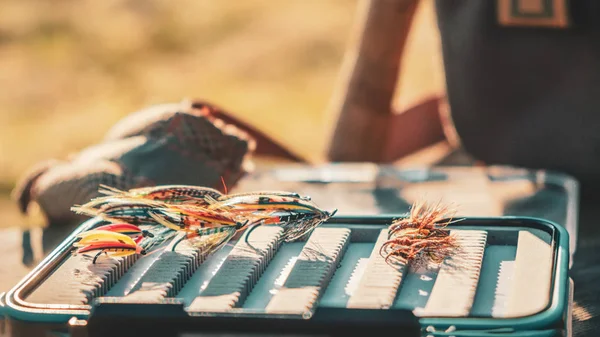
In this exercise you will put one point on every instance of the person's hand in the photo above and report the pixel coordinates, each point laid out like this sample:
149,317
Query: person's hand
164,144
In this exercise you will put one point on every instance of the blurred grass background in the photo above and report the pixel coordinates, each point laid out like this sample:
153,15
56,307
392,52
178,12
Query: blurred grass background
71,69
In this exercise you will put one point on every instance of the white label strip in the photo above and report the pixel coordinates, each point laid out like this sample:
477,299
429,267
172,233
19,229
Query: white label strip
380,281
311,272
530,290
456,283
240,271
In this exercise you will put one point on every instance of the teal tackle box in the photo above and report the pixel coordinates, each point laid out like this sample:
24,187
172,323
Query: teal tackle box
509,279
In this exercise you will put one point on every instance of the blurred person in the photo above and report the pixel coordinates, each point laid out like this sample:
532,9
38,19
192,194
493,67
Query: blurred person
514,69
522,79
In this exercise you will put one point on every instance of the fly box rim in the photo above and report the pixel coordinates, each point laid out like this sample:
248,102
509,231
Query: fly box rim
16,307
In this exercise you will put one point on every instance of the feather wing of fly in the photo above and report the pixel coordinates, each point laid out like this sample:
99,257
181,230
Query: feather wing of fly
110,248
207,221
142,191
166,193
213,242
298,217
422,236
162,235
220,217
131,211
160,218
108,200
103,205
294,230
261,202
102,236
260,193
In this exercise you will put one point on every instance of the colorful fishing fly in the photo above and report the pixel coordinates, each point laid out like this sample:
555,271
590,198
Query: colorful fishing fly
202,228
297,216
189,223
95,236
193,220
165,193
135,212
227,196
162,235
106,242
263,193
188,215
128,229
263,202
204,216
181,194
421,236
212,242
111,249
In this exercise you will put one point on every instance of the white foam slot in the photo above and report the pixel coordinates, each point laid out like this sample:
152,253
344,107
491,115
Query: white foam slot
532,276
380,280
311,272
454,290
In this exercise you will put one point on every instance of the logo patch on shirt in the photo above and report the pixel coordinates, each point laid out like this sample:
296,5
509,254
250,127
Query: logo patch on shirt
533,13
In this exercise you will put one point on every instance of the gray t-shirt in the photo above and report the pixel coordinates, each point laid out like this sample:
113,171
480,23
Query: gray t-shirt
525,96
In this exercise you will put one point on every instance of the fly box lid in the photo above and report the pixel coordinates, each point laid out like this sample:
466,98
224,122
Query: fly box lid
510,277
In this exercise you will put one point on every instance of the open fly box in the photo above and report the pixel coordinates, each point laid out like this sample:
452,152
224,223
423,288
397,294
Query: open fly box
510,279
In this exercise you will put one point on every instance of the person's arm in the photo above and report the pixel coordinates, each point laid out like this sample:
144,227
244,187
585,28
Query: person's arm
367,128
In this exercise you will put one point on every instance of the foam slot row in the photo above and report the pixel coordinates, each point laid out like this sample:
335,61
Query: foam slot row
380,281
311,273
77,280
532,276
454,290
240,271
167,275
